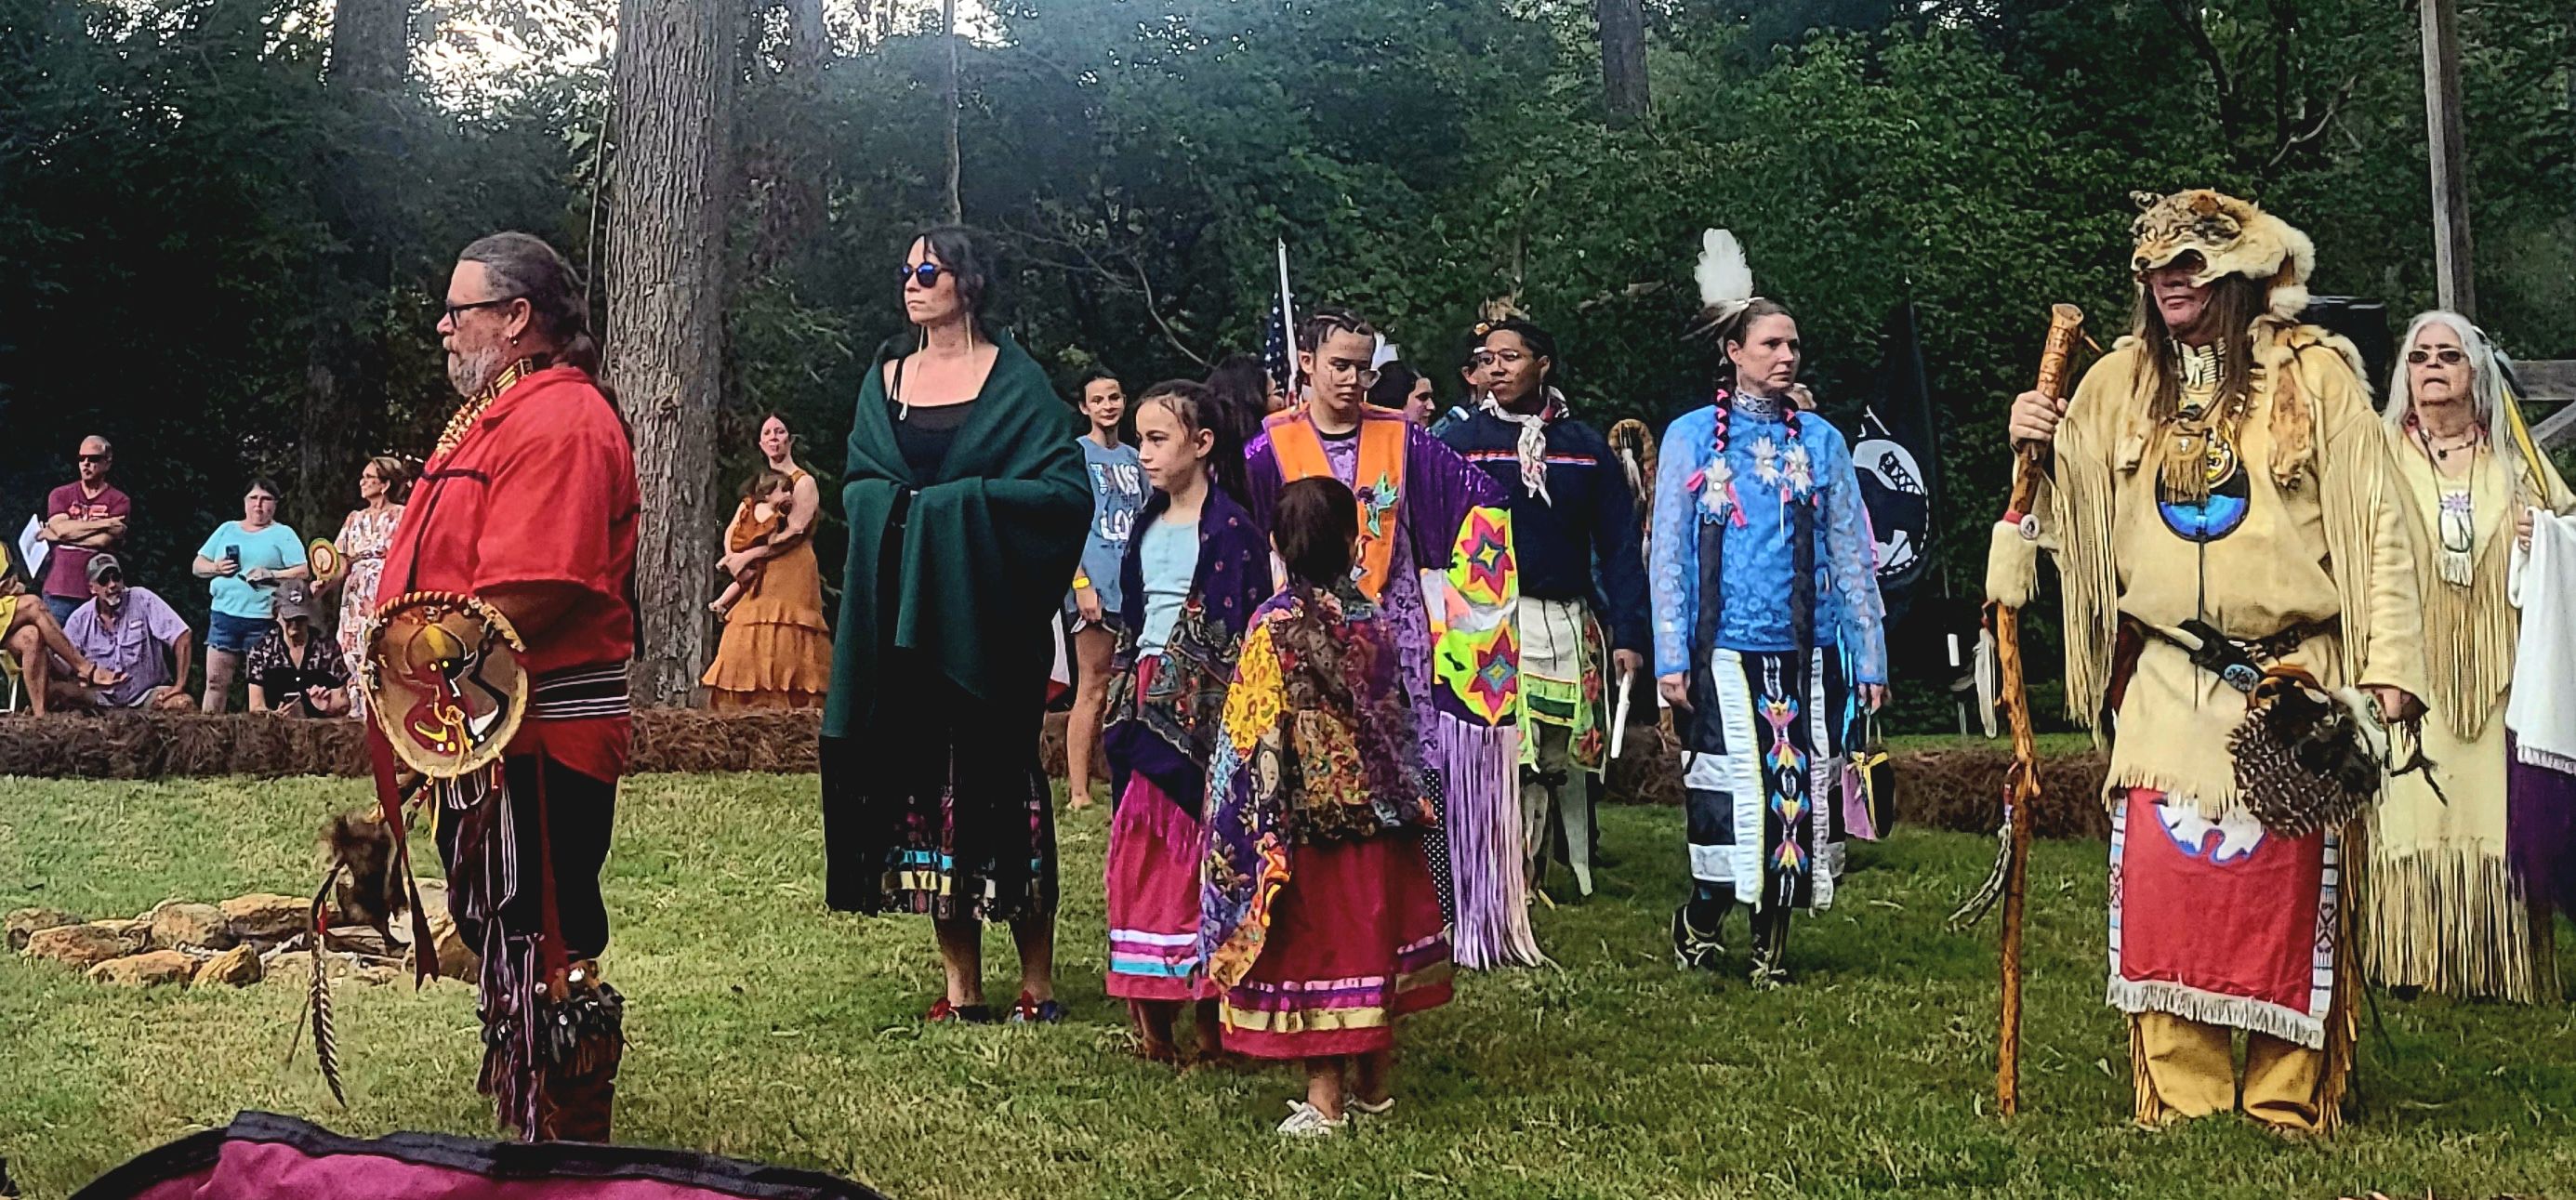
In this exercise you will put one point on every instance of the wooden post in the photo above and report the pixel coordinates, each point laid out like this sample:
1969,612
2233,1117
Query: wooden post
2447,143
2545,383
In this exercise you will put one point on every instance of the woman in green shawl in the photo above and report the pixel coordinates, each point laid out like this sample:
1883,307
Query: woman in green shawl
967,504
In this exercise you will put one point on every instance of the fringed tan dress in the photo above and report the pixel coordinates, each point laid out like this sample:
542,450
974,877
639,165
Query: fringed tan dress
2439,908
2216,923
776,651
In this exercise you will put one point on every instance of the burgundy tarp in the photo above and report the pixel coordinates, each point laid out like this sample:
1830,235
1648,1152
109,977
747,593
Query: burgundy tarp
263,1156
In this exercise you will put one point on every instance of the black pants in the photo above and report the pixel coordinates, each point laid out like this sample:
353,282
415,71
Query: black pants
556,818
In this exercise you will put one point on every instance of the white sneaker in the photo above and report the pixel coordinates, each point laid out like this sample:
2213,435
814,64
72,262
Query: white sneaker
1307,1121
1379,1109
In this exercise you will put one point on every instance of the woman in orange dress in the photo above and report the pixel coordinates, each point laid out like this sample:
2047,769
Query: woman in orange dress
776,652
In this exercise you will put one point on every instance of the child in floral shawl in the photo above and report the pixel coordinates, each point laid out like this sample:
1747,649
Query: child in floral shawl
1319,920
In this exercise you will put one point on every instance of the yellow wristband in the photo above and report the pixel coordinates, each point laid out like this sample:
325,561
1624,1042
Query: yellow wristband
1082,581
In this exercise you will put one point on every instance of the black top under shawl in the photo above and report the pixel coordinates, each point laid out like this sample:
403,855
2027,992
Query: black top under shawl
923,433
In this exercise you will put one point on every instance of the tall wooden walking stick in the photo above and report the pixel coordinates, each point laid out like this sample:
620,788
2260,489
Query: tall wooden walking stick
2021,786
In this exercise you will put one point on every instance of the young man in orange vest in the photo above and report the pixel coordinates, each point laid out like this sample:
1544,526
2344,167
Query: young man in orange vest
1435,550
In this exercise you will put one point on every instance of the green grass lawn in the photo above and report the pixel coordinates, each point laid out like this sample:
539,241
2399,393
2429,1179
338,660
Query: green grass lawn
765,1027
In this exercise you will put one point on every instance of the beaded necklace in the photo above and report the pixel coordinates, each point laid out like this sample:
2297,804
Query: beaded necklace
472,410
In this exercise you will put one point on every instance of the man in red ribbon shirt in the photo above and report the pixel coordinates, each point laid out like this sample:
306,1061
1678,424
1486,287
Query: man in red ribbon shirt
529,504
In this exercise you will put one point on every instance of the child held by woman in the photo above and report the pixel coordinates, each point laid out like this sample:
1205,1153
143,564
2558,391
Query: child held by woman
763,512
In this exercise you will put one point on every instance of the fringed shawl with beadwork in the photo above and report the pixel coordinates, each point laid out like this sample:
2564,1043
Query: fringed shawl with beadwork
2470,629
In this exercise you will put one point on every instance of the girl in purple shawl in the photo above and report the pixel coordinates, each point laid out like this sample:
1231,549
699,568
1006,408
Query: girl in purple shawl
1319,922
1196,567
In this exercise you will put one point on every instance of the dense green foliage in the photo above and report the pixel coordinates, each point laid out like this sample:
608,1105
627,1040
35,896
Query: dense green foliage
764,1027
191,221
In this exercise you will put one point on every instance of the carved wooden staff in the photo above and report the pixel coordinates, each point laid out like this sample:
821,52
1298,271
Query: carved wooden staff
2021,788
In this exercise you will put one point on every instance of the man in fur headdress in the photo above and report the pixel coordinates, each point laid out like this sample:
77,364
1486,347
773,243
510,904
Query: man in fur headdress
2221,470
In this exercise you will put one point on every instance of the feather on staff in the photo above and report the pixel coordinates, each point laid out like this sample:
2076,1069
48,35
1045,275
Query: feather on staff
326,1040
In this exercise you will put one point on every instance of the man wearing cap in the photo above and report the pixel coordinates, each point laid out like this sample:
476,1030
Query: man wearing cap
296,674
132,632
2220,470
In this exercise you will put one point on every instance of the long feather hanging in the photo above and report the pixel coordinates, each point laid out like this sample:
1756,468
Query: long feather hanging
1990,892
1635,446
326,1040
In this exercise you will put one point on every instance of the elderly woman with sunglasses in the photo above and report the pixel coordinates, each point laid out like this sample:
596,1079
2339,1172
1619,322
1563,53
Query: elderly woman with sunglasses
968,504
2442,912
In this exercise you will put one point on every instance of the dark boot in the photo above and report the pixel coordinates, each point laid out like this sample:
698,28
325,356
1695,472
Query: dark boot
1770,947
1696,948
574,1107
577,1089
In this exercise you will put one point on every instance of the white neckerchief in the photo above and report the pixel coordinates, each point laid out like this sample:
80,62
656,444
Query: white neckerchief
1532,447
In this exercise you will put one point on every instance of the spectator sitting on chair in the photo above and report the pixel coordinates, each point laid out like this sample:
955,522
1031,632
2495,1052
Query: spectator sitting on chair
81,519
133,632
293,673
29,635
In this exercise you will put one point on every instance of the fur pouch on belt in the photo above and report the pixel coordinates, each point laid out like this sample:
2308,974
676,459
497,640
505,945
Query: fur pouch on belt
2307,758
2012,566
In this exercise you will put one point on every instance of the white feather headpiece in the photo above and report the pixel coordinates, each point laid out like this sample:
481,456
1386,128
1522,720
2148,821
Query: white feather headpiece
1725,279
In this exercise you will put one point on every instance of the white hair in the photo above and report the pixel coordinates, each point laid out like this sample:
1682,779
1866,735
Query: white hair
2486,379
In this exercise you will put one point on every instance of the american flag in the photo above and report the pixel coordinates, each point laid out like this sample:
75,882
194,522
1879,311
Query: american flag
1275,343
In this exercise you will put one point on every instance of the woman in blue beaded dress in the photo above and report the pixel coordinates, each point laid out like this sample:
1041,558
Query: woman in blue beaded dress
1769,633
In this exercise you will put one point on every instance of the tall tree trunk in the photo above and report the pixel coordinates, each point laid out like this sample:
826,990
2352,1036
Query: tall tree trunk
674,98
370,58
807,43
370,44
956,111
1623,59
782,171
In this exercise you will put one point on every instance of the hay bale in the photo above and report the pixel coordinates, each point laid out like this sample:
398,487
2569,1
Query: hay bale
1647,771
1051,744
1957,788
1962,789
324,747
694,740
63,746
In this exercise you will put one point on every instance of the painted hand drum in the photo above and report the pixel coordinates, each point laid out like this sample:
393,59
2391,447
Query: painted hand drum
443,681
326,563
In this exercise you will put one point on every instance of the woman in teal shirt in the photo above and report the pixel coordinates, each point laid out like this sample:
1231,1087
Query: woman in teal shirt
244,560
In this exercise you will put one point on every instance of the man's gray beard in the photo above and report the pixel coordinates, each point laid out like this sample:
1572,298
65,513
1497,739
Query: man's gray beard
473,371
